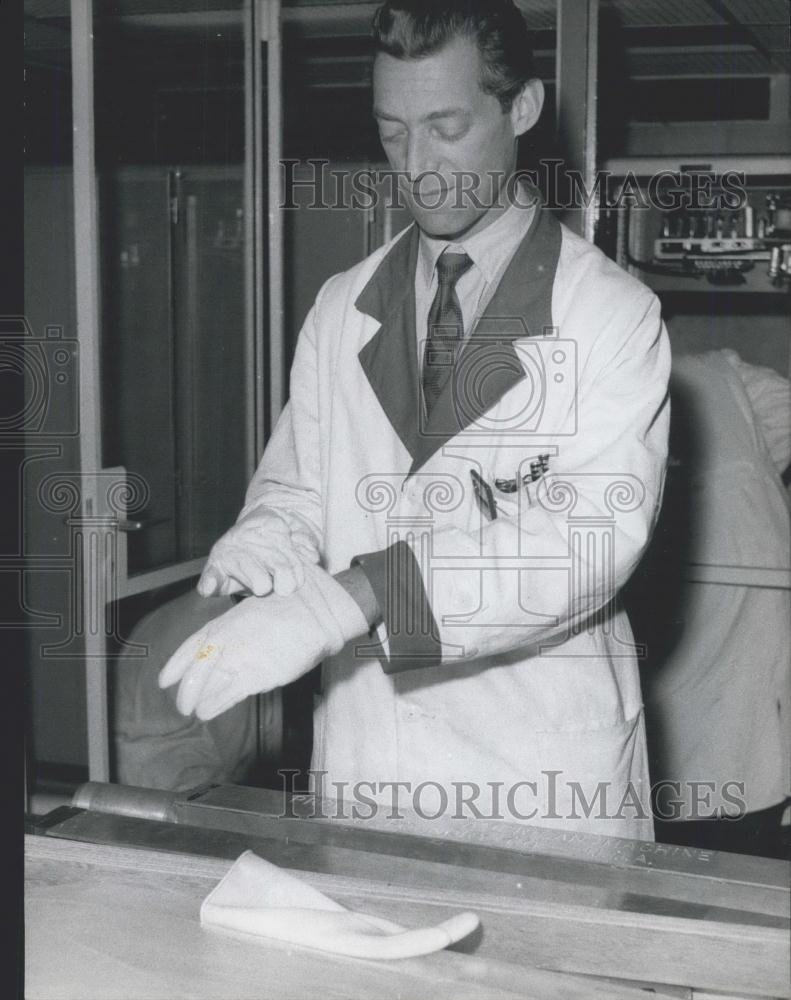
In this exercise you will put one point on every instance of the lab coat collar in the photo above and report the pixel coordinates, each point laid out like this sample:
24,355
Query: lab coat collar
389,359
488,365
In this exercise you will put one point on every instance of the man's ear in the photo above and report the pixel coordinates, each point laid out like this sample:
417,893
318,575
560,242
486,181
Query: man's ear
526,109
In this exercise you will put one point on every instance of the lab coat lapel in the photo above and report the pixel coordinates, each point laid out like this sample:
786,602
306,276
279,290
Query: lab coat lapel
389,359
488,365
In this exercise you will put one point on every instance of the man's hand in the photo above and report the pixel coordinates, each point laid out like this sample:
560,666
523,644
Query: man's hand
260,553
262,644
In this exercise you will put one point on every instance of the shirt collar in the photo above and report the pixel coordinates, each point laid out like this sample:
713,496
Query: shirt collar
488,249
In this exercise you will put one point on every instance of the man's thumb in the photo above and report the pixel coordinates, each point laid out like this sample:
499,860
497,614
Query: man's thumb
208,583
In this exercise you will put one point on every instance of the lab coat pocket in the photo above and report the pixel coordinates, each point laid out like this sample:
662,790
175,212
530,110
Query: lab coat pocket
596,780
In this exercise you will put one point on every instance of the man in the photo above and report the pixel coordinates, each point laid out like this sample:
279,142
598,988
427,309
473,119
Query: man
717,678
474,450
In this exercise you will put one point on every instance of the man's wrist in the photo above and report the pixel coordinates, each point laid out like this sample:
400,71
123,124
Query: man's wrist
356,584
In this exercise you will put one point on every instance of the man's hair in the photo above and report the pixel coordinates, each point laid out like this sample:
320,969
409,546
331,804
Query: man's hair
411,29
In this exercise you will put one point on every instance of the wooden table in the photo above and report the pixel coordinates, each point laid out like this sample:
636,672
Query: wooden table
115,887
105,922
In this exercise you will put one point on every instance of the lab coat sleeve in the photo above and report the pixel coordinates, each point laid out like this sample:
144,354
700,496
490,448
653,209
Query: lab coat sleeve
287,479
559,551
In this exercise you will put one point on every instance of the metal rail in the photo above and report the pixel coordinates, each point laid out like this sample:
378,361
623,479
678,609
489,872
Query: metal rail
86,262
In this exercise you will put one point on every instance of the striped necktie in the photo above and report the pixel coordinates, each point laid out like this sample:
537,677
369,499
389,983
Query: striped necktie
445,327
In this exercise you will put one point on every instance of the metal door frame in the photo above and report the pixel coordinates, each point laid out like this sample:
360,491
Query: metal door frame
576,89
102,572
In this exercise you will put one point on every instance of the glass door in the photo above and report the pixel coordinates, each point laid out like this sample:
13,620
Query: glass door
171,307
174,331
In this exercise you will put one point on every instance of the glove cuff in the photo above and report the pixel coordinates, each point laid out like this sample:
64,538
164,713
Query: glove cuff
339,615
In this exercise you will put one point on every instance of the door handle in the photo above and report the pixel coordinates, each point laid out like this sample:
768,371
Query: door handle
139,523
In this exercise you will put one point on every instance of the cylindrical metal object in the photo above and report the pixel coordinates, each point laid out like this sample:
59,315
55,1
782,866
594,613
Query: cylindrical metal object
774,263
748,221
126,800
40,803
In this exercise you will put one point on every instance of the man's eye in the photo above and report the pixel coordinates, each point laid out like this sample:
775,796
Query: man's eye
390,136
451,135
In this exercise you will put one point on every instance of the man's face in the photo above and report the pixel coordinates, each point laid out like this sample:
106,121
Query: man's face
447,137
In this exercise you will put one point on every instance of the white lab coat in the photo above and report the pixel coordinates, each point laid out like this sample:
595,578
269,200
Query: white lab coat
530,668
718,695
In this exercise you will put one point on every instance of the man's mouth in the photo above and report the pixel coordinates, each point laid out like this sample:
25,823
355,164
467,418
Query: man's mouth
430,197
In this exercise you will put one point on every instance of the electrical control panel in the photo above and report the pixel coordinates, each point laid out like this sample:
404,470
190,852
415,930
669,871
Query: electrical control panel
700,226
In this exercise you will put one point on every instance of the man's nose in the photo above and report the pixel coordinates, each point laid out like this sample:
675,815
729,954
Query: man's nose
419,158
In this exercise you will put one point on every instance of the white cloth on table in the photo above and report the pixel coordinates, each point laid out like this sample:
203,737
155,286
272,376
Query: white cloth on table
260,899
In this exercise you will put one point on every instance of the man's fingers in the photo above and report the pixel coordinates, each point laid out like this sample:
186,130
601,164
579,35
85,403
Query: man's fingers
191,665
173,671
305,548
217,697
208,583
232,571
288,574
265,571
219,577
253,572
231,586
180,661
192,684
245,572
258,566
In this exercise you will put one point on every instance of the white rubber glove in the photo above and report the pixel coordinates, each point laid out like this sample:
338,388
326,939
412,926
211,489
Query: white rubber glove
264,551
256,897
261,644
